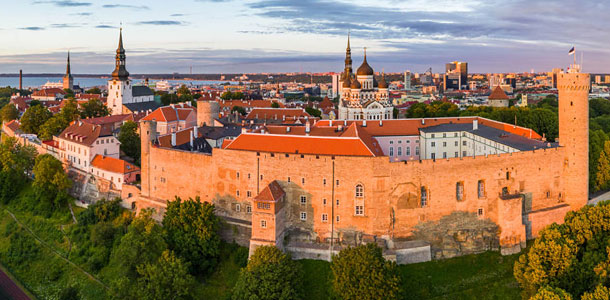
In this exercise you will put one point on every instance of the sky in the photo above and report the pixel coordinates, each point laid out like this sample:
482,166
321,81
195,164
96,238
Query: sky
233,36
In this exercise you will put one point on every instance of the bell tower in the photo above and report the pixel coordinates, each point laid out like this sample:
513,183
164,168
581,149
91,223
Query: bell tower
68,81
573,90
119,87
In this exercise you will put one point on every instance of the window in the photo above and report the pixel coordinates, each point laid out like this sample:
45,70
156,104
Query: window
480,212
324,201
303,200
248,175
408,151
408,141
548,194
261,205
423,197
464,153
433,155
463,143
237,193
303,180
459,191
433,144
261,176
324,217
337,182
337,202
237,207
391,142
455,135
288,178
432,135
507,175
444,135
444,144
337,219
399,151
303,216
249,194
416,150
249,209
237,175
359,210
481,188
444,154
359,191
456,154
324,181
504,191
263,224
456,143
391,151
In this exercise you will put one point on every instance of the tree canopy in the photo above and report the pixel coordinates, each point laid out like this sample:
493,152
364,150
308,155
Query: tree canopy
270,274
130,140
167,278
33,118
8,113
362,273
191,231
94,108
50,181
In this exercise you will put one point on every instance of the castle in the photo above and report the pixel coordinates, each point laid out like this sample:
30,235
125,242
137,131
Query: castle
362,97
340,183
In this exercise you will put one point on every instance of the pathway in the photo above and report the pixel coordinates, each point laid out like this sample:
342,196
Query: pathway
602,197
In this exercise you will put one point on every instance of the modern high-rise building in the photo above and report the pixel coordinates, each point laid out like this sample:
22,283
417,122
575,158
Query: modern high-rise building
407,80
335,91
456,76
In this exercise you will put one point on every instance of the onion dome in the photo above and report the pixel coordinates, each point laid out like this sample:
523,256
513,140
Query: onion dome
356,84
365,69
347,82
382,83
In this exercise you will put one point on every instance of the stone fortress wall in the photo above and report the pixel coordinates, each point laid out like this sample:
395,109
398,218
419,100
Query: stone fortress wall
523,191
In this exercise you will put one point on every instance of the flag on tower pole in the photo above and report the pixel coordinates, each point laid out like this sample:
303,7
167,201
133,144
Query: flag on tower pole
571,51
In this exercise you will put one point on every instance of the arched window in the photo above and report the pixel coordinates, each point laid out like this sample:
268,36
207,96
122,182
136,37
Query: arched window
359,191
481,188
423,197
459,191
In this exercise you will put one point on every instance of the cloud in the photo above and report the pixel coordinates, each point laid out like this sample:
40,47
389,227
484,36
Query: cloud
32,28
104,26
64,3
83,14
177,15
67,25
138,7
161,22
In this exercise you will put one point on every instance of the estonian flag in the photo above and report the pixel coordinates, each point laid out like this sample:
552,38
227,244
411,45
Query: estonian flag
571,51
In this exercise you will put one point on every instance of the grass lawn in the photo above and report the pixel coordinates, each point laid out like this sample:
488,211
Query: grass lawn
221,282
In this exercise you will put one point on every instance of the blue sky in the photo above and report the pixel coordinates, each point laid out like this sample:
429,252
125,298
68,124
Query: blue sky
215,36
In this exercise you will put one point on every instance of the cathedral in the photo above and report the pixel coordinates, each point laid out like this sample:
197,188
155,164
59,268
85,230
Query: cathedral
123,97
362,97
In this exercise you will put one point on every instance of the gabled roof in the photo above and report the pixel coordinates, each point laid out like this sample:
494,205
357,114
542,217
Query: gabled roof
140,90
109,119
182,137
271,193
170,113
141,106
14,127
84,133
277,113
113,165
498,94
52,92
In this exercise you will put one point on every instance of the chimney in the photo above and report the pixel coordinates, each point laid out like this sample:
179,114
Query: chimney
475,124
330,123
423,121
307,127
173,139
380,123
364,123
243,130
340,127
192,133
344,122
287,128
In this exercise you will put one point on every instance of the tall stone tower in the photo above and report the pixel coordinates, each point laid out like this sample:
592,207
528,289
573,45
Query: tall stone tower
68,79
119,87
148,134
574,134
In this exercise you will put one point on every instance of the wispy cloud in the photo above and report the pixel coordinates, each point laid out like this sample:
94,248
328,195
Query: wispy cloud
177,15
162,22
64,3
82,14
105,26
32,28
139,7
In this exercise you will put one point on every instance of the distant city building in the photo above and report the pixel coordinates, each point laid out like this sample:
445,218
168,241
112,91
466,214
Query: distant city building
498,98
427,78
335,83
407,80
68,81
362,97
553,76
122,96
456,76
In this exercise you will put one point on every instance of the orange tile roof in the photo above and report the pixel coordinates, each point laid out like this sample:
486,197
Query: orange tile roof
84,133
228,104
182,137
498,94
48,92
170,113
298,144
271,193
113,165
109,119
13,126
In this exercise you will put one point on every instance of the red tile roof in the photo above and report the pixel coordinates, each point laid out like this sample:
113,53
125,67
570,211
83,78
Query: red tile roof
182,137
271,193
277,113
170,113
498,94
113,165
84,133
109,119
48,92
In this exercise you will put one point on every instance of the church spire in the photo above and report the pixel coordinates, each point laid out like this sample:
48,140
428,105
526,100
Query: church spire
68,73
120,72
348,59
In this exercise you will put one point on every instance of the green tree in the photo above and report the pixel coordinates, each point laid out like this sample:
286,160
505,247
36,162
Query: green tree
183,90
70,111
275,105
130,140
52,127
239,109
168,278
191,231
69,93
550,293
21,248
51,182
270,274
313,112
142,244
33,118
597,139
94,108
69,293
94,90
9,112
600,293
602,177
362,273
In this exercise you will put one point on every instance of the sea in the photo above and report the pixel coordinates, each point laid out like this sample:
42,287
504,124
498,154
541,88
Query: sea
88,82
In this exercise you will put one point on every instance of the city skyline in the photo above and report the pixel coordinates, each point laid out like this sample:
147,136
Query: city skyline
309,36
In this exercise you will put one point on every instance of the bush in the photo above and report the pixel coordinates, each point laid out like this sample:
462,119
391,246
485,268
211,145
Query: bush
100,211
102,234
69,293
270,274
362,273
22,248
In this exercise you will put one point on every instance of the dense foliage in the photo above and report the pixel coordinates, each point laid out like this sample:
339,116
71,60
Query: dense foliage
51,183
94,108
362,273
56,124
33,118
191,231
571,258
16,162
8,113
228,95
167,278
270,274
313,112
130,140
